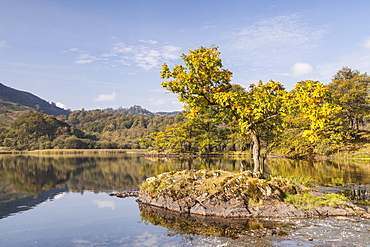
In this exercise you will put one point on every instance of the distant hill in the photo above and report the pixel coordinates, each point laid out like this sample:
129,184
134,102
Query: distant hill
139,111
15,100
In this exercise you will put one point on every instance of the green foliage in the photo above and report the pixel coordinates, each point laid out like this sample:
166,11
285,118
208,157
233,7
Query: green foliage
307,201
40,131
204,86
203,133
83,129
118,130
350,91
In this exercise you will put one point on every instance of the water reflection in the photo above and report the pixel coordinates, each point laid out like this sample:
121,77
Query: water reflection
180,224
322,172
26,181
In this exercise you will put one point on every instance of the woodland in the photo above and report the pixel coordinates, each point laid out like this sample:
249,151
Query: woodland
218,117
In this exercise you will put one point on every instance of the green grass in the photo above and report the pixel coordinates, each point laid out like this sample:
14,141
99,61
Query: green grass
307,201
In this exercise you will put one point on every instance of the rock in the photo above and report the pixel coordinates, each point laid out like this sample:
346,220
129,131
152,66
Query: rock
229,195
342,218
278,210
367,216
329,211
126,193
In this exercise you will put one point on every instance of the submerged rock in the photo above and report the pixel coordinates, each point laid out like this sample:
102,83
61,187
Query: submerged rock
127,193
230,195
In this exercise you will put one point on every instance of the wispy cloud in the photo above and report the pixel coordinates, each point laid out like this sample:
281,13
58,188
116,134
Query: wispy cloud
106,97
153,42
147,56
271,38
153,101
86,58
366,44
3,44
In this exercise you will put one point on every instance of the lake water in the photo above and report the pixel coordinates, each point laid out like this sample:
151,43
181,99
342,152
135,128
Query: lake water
65,201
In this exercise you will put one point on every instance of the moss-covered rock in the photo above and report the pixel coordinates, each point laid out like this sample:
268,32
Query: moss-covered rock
227,194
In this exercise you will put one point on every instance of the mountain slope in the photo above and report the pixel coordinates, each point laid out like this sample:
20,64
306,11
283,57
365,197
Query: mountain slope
8,94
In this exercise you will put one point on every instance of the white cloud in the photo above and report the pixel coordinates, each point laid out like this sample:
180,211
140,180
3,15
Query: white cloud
85,58
153,42
301,69
170,52
74,50
105,204
61,105
106,97
146,56
153,101
3,44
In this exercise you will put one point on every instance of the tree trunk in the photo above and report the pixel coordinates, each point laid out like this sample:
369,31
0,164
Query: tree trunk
256,150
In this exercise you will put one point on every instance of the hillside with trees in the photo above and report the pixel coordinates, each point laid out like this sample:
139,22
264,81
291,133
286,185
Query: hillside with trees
28,123
94,129
40,131
118,130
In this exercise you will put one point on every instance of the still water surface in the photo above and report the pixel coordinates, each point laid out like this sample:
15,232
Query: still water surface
64,201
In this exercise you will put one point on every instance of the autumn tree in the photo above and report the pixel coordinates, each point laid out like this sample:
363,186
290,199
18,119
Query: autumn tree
351,90
203,84
203,133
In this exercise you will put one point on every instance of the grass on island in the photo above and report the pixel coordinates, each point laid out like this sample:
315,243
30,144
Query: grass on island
307,201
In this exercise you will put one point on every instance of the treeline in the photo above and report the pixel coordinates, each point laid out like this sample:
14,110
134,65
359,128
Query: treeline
118,130
207,131
82,129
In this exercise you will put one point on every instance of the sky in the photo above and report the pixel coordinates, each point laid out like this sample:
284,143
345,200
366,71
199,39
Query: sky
96,54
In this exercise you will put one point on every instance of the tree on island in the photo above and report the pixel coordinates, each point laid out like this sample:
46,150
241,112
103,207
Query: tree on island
204,86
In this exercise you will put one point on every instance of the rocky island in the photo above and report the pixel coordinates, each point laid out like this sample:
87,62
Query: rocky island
240,195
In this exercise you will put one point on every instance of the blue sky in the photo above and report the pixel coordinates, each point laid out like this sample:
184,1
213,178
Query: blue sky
96,54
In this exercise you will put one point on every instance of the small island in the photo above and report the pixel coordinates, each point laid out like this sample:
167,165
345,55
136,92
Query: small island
240,195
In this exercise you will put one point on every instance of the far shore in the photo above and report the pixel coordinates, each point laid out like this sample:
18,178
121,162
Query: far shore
147,153
72,151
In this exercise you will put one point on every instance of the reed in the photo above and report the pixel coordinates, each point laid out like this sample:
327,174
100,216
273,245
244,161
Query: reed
75,151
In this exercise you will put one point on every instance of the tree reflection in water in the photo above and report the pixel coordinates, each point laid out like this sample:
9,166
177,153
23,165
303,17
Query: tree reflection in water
23,177
185,224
